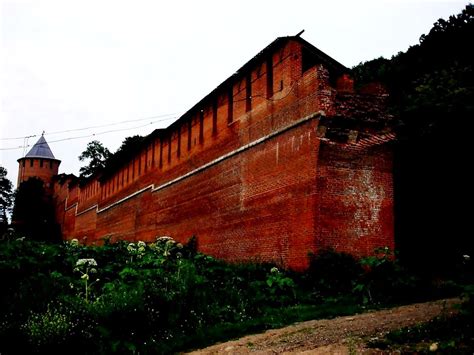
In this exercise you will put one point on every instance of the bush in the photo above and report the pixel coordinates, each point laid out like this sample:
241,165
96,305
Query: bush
331,273
164,297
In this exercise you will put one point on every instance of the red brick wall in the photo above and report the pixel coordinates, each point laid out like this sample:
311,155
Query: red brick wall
256,205
355,207
275,201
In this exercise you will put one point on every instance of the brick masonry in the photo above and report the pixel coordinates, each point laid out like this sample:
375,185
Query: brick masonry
289,165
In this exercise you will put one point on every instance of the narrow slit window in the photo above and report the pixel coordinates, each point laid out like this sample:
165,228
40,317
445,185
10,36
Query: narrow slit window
153,154
201,126
161,153
139,164
169,149
269,65
133,169
146,159
190,126
214,117
178,150
230,105
248,93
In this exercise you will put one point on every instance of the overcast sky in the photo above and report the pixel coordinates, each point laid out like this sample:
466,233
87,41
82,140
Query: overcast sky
68,65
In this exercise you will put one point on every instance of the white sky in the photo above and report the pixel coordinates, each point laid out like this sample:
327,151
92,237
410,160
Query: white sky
73,64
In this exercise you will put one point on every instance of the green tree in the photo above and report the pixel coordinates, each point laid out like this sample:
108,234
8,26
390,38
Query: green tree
126,151
6,199
432,93
97,155
33,212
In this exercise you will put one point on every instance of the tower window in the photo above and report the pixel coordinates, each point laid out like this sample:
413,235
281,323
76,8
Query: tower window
50,164
31,162
41,163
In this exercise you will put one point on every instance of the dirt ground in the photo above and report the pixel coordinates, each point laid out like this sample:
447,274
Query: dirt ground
342,335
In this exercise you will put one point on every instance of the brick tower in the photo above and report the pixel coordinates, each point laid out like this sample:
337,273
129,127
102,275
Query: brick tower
40,163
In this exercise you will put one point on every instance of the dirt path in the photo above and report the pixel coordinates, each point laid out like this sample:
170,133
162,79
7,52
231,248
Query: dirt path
342,335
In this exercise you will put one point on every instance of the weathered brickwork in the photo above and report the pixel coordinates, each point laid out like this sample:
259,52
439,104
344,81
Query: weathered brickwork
278,161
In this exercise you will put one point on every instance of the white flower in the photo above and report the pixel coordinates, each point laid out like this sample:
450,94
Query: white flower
163,239
141,244
85,277
141,249
131,247
74,242
179,246
274,270
434,347
466,257
86,262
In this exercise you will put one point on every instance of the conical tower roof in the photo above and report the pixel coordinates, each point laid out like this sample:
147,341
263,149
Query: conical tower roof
40,150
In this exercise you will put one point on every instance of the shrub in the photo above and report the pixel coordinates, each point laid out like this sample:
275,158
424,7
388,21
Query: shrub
384,280
331,273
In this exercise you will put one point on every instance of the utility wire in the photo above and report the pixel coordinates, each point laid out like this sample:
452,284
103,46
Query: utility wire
91,127
137,120
91,135
114,124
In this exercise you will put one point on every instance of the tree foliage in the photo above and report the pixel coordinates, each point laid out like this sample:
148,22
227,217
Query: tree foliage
431,80
6,198
33,212
96,155
432,94
125,152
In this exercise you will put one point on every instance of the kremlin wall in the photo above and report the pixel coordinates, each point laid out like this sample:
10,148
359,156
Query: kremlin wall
283,158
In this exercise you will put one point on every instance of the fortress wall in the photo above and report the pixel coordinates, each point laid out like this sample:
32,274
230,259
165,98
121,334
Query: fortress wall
290,194
257,205
355,207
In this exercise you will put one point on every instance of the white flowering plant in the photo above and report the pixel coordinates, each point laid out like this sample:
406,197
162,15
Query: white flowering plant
167,247
86,268
137,250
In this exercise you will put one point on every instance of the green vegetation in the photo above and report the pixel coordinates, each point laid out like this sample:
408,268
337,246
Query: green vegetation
163,297
6,199
33,211
96,155
431,89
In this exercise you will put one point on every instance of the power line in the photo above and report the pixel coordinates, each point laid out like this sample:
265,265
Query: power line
92,135
115,124
97,126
